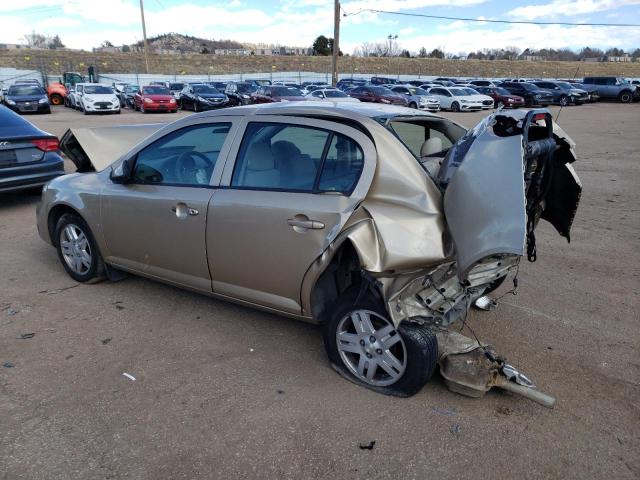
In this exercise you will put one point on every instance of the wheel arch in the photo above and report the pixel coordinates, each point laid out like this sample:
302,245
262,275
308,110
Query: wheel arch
54,216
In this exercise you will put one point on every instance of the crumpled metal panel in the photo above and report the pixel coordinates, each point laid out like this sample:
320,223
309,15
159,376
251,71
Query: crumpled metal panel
485,200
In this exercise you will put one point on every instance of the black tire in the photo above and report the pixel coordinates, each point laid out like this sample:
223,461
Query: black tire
195,107
96,270
413,105
57,99
142,110
455,107
625,97
564,101
420,343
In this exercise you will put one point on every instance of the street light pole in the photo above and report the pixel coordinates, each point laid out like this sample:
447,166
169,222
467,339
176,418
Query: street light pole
144,36
336,43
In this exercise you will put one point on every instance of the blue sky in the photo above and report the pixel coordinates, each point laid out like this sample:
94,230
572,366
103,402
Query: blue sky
86,23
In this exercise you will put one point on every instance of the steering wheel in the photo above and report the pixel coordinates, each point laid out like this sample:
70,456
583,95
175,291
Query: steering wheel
188,170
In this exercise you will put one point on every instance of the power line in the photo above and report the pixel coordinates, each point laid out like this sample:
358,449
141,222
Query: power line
517,22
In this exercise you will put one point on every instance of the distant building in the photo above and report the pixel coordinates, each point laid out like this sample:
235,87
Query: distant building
624,58
531,58
11,46
239,52
592,59
107,49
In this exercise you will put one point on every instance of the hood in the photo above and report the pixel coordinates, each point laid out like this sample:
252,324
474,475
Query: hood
157,98
101,97
290,98
208,96
94,149
25,98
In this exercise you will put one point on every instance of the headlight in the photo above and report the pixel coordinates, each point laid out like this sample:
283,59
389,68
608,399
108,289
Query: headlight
148,100
200,99
537,95
423,100
173,100
43,100
245,96
87,99
464,101
10,102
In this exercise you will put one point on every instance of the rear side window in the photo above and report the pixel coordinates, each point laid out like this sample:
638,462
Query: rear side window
276,156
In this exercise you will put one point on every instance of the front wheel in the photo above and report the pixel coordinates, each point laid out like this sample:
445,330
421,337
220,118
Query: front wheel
564,101
56,99
500,105
413,105
77,249
195,107
364,345
455,107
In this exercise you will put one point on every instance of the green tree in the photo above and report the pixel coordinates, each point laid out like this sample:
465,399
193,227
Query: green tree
436,53
322,46
423,53
55,42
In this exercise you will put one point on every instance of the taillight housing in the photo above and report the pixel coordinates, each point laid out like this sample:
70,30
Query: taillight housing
46,144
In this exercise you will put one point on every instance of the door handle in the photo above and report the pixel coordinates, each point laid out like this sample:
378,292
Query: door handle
305,223
182,211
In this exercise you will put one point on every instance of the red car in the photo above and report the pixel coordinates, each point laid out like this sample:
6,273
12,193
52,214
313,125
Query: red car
378,94
155,98
501,97
276,93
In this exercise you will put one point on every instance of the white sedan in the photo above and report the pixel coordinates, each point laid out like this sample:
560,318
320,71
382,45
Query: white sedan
487,101
455,99
330,95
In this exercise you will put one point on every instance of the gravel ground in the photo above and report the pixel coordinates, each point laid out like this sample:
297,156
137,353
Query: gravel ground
222,391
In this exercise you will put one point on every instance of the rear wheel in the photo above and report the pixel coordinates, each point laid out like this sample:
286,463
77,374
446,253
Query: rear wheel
625,97
57,99
77,249
363,344
455,107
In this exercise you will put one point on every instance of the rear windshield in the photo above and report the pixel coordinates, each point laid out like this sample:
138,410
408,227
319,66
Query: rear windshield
286,92
334,94
382,91
25,90
176,86
97,90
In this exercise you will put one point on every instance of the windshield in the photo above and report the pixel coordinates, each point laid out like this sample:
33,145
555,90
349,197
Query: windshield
565,85
204,89
246,88
334,94
529,86
459,92
156,91
470,91
381,91
417,91
286,92
502,91
97,90
176,86
25,90
131,88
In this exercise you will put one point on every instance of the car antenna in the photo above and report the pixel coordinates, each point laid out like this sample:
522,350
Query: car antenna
561,106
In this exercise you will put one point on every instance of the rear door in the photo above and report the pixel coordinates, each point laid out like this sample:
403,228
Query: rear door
292,187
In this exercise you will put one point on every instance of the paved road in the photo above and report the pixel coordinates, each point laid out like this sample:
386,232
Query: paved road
222,391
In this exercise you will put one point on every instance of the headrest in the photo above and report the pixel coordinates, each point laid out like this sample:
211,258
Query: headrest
259,157
431,146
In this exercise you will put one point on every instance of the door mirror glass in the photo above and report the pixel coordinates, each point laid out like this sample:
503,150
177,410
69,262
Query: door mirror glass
122,173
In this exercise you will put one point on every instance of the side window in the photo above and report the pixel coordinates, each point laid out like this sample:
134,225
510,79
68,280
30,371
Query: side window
342,167
600,81
414,136
290,157
610,81
184,157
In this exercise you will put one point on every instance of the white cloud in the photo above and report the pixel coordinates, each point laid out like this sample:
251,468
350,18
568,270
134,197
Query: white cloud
568,8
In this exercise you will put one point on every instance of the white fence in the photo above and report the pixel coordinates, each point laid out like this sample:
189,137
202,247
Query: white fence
8,76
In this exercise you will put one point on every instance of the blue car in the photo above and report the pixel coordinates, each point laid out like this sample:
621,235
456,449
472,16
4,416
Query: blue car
23,98
29,157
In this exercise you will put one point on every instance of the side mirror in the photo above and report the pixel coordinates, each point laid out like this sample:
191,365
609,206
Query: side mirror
122,173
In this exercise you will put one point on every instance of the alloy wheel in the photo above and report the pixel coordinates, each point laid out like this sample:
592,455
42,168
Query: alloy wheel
75,248
371,348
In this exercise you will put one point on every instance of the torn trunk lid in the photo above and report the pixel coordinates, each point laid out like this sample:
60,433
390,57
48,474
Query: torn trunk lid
94,149
503,176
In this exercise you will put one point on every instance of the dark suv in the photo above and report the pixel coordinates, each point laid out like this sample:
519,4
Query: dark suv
614,88
383,81
564,93
532,94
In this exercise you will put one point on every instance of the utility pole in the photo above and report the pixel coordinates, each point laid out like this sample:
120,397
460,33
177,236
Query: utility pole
336,43
144,36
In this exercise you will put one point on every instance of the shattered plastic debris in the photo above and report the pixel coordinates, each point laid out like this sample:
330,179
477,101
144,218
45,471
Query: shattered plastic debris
105,341
485,303
367,446
447,412
8,365
10,311
455,429
129,376
25,336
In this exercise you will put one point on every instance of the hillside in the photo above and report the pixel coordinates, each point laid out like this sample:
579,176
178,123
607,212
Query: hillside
185,44
53,62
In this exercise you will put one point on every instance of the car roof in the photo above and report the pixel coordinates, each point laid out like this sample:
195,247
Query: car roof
13,125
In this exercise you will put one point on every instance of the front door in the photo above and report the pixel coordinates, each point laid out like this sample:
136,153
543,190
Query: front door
155,225
294,184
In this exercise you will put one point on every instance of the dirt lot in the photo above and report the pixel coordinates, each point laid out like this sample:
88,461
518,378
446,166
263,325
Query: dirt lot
222,391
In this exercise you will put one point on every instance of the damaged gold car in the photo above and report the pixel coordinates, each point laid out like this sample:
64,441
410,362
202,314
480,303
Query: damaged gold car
381,223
